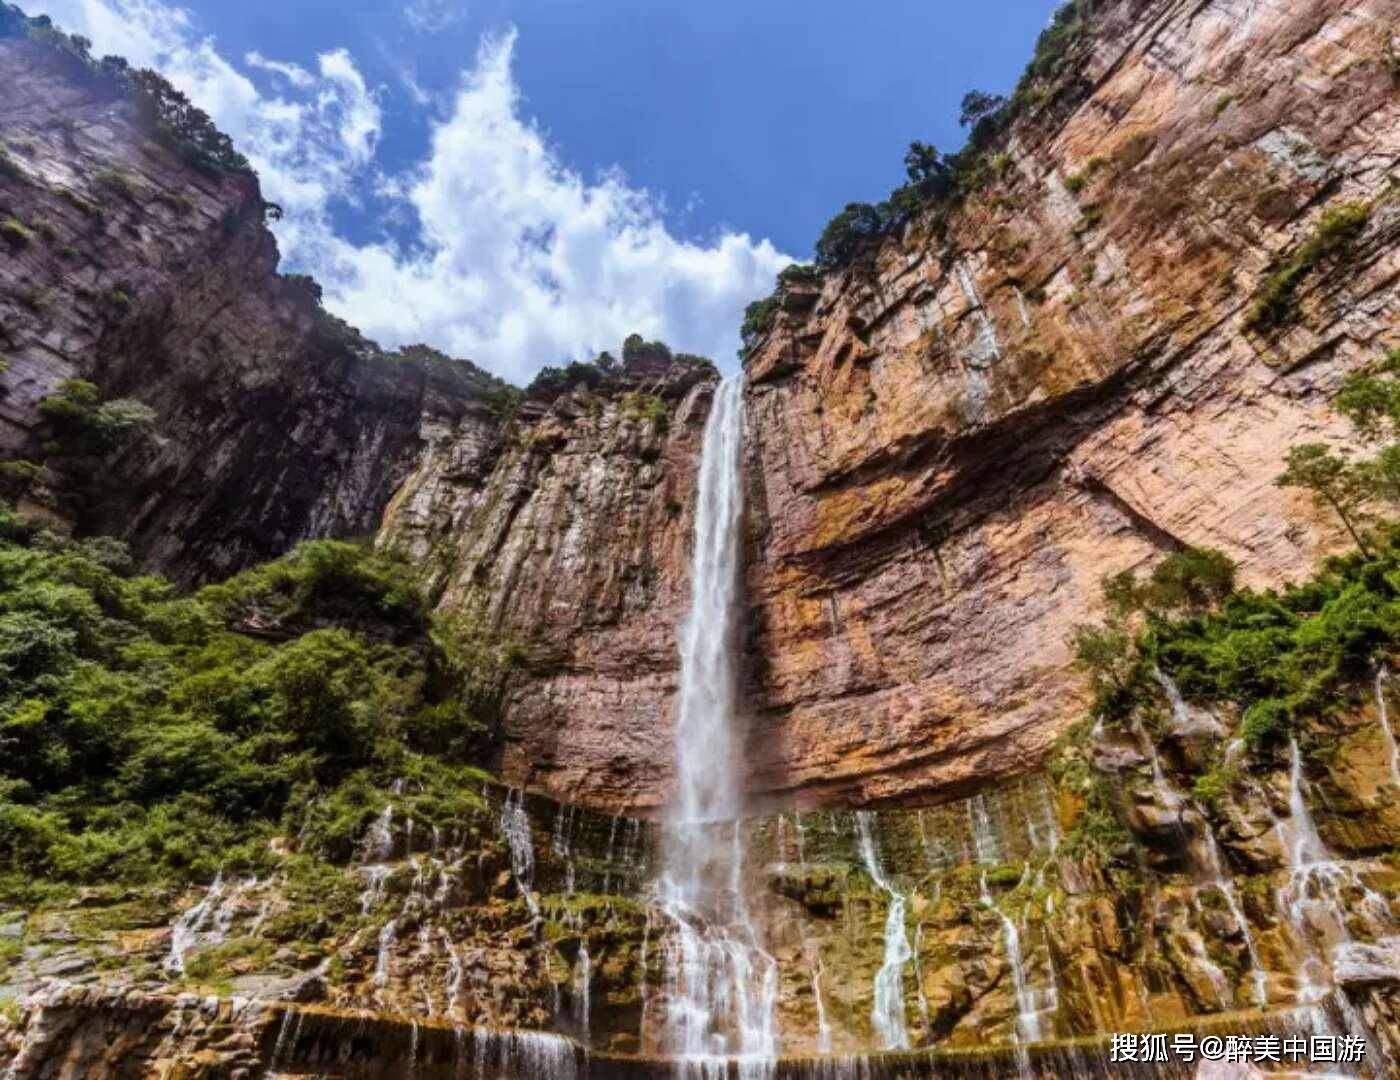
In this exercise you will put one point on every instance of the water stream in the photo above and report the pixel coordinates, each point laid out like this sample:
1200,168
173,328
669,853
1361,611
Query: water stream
721,985
887,1012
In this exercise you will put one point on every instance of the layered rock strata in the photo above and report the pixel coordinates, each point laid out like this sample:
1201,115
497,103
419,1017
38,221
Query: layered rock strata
124,266
952,441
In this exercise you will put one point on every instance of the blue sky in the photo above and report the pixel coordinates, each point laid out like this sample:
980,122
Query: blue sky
525,181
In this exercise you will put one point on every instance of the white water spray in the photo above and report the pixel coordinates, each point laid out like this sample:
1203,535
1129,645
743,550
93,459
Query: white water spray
887,1013
721,985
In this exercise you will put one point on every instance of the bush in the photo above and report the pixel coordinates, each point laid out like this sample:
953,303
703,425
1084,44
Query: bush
146,738
14,233
646,407
1274,305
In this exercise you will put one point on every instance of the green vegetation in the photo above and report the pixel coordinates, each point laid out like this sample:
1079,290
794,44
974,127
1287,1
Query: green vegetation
117,181
165,112
761,314
646,407
1277,656
149,735
935,181
605,370
1274,305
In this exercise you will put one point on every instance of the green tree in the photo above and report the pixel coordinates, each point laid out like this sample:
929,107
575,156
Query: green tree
1335,483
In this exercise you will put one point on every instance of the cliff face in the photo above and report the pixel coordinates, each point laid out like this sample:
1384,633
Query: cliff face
158,282
950,443
571,539
953,444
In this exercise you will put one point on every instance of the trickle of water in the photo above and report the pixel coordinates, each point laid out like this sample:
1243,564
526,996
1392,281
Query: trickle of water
379,841
887,1013
1220,880
984,837
583,974
1383,711
515,827
184,935
388,936
1027,1021
814,966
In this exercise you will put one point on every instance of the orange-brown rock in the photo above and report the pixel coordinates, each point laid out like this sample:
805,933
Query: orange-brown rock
951,442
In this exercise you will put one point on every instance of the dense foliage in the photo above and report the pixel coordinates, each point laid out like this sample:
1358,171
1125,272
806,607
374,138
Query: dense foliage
1279,656
605,369
1336,229
149,735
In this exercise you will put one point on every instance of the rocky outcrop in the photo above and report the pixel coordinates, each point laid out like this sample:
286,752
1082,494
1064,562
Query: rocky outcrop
125,266
955,439
570,542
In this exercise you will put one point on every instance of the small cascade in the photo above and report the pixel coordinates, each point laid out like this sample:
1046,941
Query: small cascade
887,1012
384,958
1220,881
814,968
186,933
375,877
523,1054
1042,823
1206,855
984,837
1027,1019
1313,897
378,846
1184,717
1383,712
583,975
515,827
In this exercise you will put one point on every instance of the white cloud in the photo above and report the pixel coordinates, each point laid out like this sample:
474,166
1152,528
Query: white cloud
434,16
294,74
520,261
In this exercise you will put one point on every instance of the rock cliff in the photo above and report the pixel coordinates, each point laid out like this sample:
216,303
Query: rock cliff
123,265
951,441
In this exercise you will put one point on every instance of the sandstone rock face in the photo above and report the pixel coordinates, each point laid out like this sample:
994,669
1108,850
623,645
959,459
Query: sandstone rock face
949,444
158,282
952,444
569,537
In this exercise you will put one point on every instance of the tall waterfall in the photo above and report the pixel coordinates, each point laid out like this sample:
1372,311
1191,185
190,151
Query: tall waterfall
721,985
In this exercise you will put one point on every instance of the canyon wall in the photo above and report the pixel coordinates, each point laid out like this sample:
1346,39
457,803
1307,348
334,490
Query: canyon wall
124,265
952,441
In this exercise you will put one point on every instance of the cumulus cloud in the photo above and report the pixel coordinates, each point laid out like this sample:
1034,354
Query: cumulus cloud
516,259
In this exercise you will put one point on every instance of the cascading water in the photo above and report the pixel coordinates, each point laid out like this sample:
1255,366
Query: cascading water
1383,712
721,984
887,1013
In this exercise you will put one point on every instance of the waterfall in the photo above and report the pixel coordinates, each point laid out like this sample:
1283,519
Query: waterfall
721,985
583,973
1383,711
185,934
1220,881
887,1013
1027,1020
515,827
